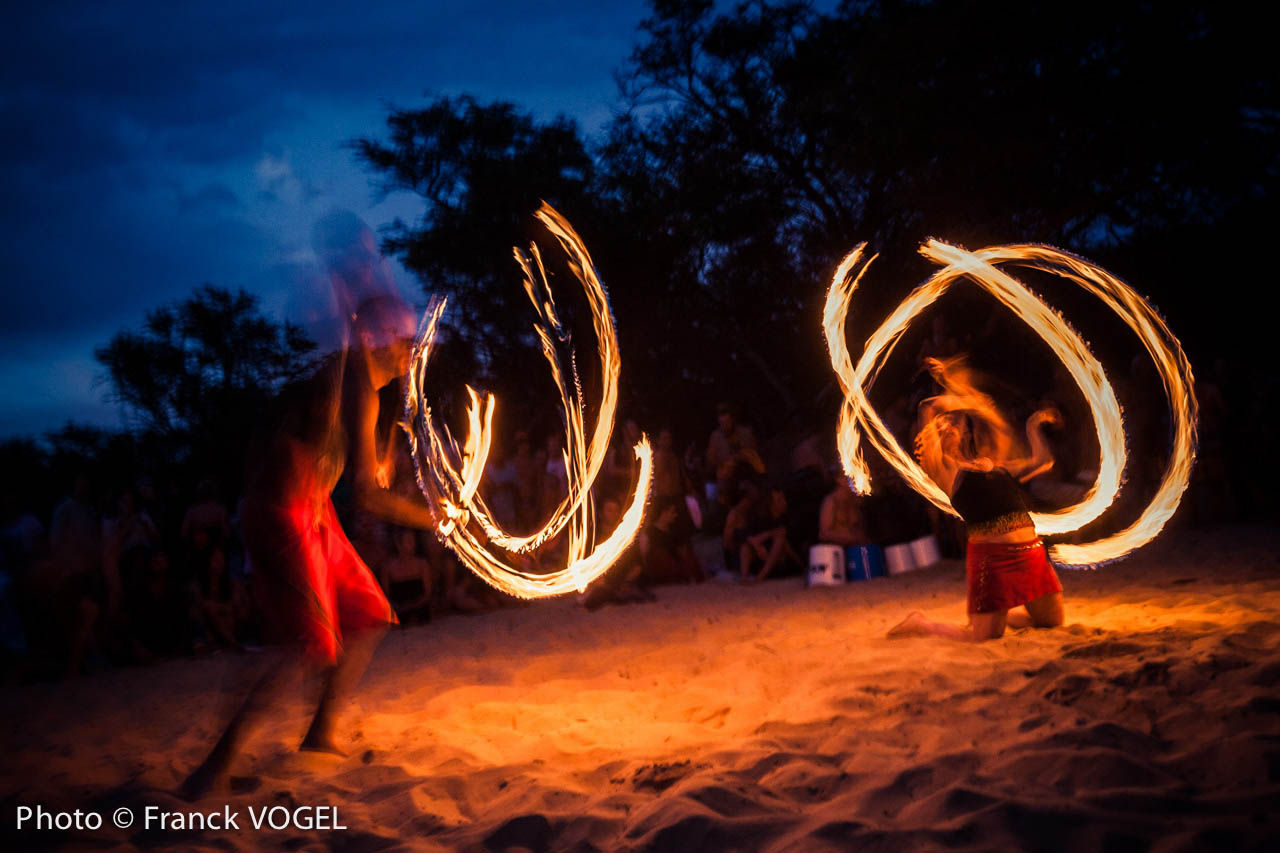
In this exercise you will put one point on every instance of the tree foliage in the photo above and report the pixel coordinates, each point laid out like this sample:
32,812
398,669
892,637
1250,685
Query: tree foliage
481,170
760,143
197,373
192,360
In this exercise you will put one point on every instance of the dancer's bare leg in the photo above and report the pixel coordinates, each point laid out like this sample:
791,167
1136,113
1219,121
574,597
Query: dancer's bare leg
339,682
777,549
988,626
213,774
982,626
1047,611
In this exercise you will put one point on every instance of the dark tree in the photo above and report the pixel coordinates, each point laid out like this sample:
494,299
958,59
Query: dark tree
764,142
718,190
196,374
481,170
759,144
1076,124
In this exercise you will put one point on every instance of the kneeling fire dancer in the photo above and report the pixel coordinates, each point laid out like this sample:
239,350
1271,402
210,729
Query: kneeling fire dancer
1005,561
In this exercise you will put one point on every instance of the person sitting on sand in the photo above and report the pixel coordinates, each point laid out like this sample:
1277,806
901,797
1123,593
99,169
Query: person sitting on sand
1005,561
758,526
621,584
223,604
841,520
666,547
406,577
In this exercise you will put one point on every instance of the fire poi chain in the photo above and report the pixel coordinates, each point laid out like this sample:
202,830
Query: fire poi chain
858,417
450,476
452,489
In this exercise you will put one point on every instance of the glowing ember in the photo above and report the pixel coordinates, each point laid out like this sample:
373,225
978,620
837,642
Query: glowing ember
464,522
981,267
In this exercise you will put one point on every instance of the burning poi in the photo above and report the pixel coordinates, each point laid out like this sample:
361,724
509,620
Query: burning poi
450,475
983,267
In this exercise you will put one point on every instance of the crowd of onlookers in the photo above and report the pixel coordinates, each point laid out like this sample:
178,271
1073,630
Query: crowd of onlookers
114,574
118,575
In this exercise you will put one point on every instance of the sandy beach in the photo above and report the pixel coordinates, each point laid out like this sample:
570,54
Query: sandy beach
769,717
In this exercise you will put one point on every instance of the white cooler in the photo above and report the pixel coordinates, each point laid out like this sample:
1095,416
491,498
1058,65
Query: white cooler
924,551
826,565
898,559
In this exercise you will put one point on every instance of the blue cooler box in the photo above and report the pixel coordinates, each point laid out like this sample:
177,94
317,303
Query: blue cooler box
864,562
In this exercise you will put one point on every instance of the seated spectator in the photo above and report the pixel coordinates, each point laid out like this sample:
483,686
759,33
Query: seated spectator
65,591
737,521
206,516
159,615
151,504
666,548
673,482
75,533
731,443
806,487
621,469
128,540
760,529
406,577
527,484
224,605
670,479
841,520
620,584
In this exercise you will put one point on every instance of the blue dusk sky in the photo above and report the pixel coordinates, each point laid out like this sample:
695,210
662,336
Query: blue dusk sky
151,147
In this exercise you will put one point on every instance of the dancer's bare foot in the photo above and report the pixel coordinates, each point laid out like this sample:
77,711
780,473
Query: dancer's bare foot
318,742
915,625
206,779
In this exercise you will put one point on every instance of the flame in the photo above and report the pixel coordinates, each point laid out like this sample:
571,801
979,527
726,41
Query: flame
857,416
464,522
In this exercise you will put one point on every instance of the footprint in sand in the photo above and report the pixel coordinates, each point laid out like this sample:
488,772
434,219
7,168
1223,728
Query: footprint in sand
1068,689
1103,650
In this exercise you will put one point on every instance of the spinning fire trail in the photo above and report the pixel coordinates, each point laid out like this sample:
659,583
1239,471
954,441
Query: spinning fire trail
857,416
451,488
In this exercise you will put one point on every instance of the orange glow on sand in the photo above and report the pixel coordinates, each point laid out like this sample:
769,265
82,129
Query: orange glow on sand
857,417
770,717
465,523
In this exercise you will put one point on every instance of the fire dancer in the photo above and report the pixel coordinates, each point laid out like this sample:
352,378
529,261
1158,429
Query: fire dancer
969,451
316,593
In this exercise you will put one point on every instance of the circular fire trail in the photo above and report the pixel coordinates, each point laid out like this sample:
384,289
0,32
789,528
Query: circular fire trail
983,267
450,477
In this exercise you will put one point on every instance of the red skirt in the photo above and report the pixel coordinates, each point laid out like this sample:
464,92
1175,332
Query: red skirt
1003,575
309,580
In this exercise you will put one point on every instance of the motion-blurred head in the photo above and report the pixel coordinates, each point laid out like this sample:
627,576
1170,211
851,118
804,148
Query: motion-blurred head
348,250
384,328
955,434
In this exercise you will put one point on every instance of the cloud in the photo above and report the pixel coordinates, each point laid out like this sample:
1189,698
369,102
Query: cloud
152,147
209,199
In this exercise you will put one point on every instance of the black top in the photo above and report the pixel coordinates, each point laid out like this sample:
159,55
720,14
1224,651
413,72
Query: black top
982,497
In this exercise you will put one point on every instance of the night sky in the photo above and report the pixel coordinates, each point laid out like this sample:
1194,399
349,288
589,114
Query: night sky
151,147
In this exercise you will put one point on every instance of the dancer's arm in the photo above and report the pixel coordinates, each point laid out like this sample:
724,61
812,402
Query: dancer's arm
1041,460
362,426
